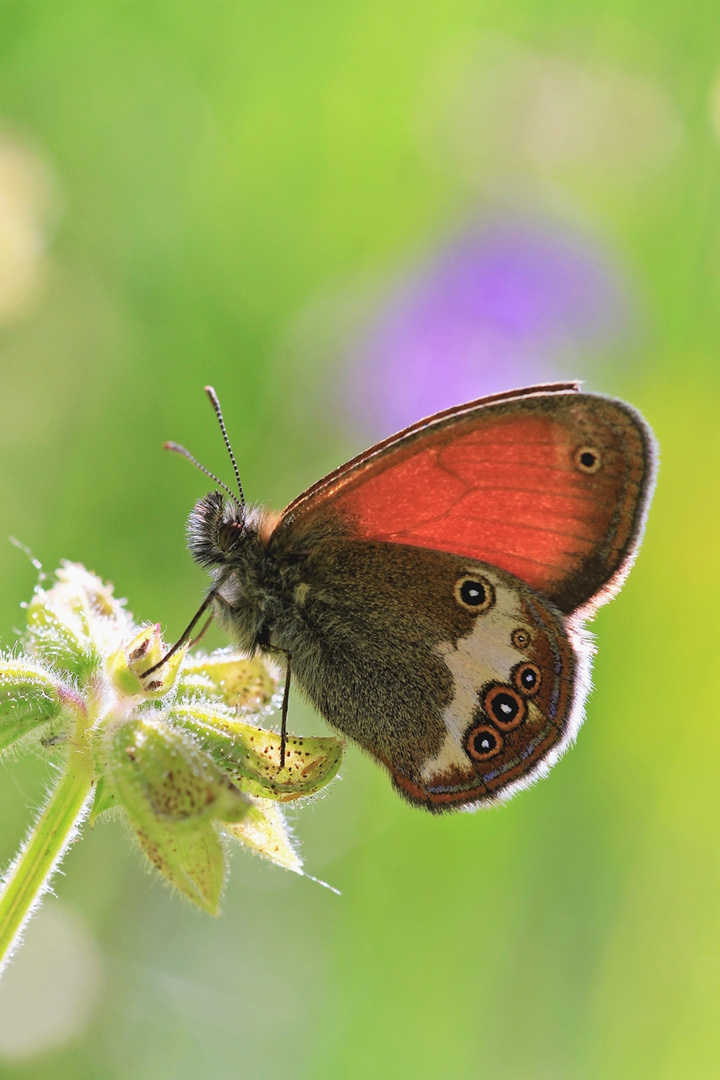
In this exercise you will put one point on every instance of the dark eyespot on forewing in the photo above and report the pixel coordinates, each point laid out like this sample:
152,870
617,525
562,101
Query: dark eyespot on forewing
588,459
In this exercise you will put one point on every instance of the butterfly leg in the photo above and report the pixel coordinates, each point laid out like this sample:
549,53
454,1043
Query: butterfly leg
212,595
286,697
201,635
285,701
283,715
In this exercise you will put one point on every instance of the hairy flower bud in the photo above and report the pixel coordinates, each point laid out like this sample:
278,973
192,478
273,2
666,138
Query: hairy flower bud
251,755
161,771
31,698
174,796
229,677
128,665
167,748
76,622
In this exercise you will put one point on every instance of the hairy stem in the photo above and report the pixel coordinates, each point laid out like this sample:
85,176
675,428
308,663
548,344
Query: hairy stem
29,876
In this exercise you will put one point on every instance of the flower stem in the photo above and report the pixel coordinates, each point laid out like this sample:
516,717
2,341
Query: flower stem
29,875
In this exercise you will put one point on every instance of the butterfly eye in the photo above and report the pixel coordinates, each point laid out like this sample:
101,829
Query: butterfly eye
483,743
527,679
587,459
505,706
227,535
475,594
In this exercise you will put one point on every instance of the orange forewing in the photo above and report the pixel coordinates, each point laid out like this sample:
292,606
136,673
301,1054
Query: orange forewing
548,484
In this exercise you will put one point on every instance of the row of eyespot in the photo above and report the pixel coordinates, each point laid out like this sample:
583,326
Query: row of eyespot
506,707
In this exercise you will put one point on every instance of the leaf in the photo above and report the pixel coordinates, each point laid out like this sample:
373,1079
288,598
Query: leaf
105,799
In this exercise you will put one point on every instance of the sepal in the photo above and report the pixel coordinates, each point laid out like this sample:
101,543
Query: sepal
265,831
251,755
192,861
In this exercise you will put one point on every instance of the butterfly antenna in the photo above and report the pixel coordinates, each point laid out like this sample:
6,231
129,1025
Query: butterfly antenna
215,402
178,449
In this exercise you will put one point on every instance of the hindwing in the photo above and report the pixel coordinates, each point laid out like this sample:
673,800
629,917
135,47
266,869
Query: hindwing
461,680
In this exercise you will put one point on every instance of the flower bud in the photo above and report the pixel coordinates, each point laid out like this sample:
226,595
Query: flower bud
161,772
251,755
126,667
30,699
231,678
76,621
174,795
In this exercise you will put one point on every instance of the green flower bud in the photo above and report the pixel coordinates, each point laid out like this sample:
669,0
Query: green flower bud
251,755
76,622
187,772
31,699
229,677
174,795
126,667
160,772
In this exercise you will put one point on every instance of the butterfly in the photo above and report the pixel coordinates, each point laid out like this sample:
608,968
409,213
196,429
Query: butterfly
430,595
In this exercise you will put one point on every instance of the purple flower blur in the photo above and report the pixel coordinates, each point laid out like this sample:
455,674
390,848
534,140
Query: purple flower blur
512,303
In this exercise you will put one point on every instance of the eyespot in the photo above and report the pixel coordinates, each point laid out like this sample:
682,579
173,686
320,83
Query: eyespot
527,678
504,706
474,593
588,459
483,742
521,637
228,534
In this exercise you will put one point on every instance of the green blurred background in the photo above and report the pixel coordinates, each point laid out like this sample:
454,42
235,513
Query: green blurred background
230,193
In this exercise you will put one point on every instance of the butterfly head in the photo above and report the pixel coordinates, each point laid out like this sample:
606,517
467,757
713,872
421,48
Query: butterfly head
217,529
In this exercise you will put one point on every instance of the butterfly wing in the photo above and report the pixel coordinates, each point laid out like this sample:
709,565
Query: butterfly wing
436,585
460,679
549,484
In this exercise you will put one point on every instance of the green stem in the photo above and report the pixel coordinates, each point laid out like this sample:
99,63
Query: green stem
29,875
